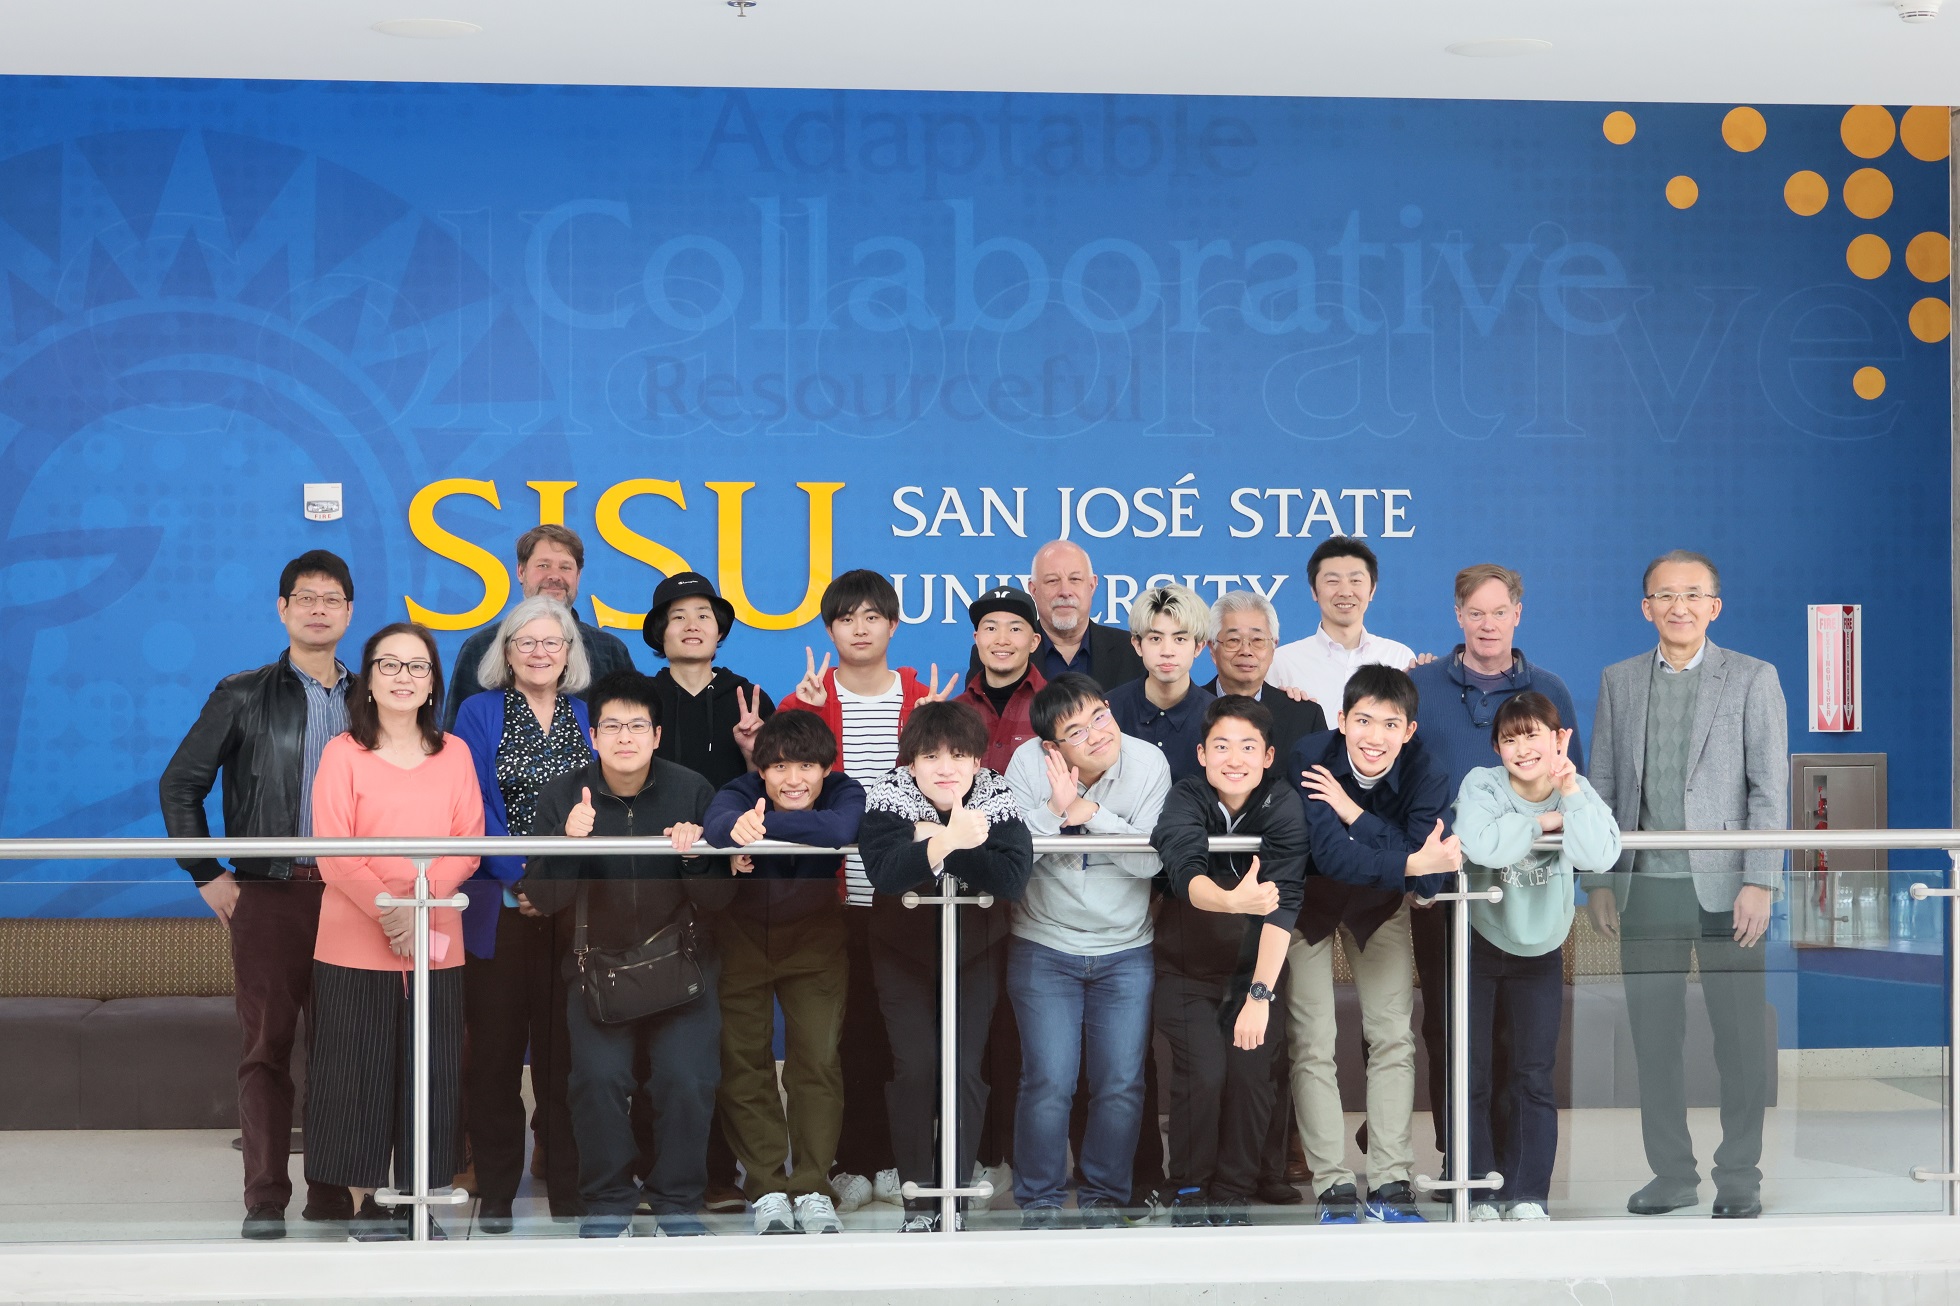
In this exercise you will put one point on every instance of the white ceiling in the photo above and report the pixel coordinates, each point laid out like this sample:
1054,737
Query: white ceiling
1741,51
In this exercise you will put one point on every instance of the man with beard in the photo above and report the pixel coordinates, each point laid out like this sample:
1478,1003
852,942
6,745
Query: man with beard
1064,588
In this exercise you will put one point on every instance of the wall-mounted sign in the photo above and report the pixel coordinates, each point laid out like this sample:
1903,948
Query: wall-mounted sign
1837,667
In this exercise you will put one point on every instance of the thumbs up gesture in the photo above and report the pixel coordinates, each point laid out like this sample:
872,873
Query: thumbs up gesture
1253,896
1436,856
579,823
749,825
967,827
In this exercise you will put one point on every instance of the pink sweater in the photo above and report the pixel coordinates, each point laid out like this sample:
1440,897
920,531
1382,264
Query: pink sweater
359,794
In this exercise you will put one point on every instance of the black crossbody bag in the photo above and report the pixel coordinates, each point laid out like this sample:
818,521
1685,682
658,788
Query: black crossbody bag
625,984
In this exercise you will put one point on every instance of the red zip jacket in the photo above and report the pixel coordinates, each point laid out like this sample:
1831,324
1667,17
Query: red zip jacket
1006,731
912,690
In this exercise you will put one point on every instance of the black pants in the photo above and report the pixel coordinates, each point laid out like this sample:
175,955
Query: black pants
360,1058
514,1002
1517,1134
908,993
864,1143
1221,1096
1662,926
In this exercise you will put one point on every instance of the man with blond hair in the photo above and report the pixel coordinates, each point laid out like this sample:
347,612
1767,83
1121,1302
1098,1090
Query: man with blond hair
1169,625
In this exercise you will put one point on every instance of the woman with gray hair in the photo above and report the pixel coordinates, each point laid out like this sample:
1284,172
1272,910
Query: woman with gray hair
526,728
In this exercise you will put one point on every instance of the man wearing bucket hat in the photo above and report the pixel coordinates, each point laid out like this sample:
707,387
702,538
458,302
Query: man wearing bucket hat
708,714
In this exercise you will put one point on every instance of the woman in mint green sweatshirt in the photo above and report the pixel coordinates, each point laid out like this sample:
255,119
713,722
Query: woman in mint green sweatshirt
1515,963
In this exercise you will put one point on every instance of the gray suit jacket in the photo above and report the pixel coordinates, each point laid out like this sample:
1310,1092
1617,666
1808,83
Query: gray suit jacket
1738,766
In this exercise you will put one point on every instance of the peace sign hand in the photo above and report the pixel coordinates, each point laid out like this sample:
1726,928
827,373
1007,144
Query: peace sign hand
1565,775
934,693
750,720
810,689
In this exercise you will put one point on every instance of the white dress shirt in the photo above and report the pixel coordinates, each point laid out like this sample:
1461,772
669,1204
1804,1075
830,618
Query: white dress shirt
1321,665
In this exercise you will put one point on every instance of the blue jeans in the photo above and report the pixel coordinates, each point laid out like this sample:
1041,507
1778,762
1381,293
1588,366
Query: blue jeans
683,1048
1070,1009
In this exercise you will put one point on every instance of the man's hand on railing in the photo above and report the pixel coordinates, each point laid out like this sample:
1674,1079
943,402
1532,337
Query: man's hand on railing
1752,906
1604,910
220,894
684,834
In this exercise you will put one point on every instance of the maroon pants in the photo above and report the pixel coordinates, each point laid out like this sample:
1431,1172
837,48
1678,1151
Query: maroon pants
272,935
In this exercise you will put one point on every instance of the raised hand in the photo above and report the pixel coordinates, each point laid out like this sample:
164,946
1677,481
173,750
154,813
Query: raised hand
749,825
1064,781
1252,896
685,835
1321,786
967,827
579,823
1565,775
934,694
750,719
810,689
1436,856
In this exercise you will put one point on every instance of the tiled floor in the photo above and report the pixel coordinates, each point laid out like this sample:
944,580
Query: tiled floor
1832,1145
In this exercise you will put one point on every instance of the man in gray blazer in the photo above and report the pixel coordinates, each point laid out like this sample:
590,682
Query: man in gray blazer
1693,737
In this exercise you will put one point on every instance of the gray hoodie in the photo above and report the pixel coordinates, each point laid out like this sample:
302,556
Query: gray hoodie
1093,904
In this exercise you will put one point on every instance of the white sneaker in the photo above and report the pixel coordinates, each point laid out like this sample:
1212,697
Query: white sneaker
773,1214
921,1222
815,1214
884,1188
853,1190
981,1175
1527,1211
1485,1211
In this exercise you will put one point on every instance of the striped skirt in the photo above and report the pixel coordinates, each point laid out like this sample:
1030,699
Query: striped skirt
361,1077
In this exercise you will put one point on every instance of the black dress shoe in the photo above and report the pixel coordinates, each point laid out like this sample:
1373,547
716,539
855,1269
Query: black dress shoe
264,1223
1661,1196
1738,1204
1274,1192
492,1216
321,1209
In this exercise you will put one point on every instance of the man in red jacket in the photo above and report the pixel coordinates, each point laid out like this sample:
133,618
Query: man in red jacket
1006,632
865,702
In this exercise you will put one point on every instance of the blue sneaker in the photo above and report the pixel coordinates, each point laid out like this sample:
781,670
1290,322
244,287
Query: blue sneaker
1190,1209
1340,1205
1394,1204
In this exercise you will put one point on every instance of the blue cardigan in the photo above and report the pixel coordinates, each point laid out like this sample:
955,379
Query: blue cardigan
480,724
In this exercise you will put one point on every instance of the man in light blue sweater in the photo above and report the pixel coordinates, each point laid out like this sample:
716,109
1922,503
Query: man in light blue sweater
1080,967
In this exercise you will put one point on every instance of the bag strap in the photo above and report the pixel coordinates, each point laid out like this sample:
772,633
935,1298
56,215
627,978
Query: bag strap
578,924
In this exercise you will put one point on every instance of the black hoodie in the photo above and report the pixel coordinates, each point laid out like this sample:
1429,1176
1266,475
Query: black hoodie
698,730
1221,947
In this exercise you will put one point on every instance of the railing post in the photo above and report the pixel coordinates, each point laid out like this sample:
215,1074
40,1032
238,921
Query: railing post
1456,1039
952,1185
1949,1121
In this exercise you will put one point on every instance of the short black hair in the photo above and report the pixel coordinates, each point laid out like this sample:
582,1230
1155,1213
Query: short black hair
1384,684
1343,546
795,737
625,686
317,562
1240,707
933,726
1060,698
1521,710
853,590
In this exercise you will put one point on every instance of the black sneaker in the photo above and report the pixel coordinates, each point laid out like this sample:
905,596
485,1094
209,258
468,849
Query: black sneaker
1340,1205
1190,1209
375,1224
1101,1213
264,1223
1041,1217
1227,1214
1394,1204
493,1217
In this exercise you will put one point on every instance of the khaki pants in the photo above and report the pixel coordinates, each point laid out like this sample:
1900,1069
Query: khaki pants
1383,981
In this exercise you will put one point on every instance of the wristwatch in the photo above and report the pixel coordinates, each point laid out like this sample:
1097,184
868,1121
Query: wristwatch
1259,992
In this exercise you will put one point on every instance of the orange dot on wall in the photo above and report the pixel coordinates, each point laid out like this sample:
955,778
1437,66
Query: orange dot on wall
1682,192
1744,129
1868,193
1929,256
1868,382
1931,320
1867,130
1923,131
1619,127
1806,193
1868,256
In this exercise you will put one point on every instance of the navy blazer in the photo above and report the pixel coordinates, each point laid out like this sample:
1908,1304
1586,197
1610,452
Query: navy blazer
480,724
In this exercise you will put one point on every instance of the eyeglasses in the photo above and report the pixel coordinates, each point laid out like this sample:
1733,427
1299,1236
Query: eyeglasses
611,728
550,644
418,669
1099,721
1256,643
308,599
1693,598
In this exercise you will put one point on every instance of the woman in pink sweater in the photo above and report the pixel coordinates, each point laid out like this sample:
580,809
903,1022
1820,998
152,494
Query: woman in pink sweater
394,773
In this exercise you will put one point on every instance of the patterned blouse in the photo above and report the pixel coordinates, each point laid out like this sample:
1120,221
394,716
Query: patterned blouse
527,757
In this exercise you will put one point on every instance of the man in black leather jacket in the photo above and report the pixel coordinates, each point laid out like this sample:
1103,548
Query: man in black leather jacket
264,729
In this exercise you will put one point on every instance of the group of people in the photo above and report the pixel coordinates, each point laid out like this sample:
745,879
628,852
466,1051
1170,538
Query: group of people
1368,774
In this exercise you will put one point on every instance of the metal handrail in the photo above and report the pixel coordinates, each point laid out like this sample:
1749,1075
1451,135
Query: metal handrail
615,845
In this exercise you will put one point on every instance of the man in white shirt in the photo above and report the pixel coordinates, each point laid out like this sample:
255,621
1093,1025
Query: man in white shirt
1343,573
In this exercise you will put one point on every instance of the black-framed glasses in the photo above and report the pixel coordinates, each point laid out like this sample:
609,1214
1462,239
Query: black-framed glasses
612,727
308,599
419,669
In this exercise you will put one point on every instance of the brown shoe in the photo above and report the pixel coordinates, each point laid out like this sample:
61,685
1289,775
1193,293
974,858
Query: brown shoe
1297,1169
723,1197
